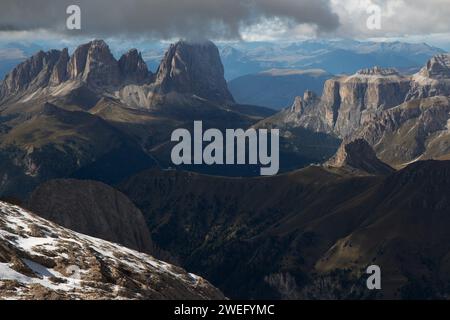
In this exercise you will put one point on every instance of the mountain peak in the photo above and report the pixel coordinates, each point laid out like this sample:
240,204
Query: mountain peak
33,73
437,67
193,68
133,68
101,68
189,69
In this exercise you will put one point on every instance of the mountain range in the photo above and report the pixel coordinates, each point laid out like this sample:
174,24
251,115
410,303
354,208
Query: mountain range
85,151
242,58
404,118
88,112
335,56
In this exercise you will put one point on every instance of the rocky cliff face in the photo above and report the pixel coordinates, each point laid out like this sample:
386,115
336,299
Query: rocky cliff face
40,260
95,209
32,74
301,105
59,73
415,130
100,67
317,250
193,69
437,67
133,69
188,70
349,102
91,63
77,61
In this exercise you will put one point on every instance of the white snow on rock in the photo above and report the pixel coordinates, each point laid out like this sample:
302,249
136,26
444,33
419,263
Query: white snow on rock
42,260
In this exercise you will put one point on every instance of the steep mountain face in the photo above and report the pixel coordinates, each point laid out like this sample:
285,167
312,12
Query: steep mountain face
358,154
41,260
301,105
349,102
277,88
301,143
55,72
262,244
437,67
32,74
94,209
133,69
193,68
13,53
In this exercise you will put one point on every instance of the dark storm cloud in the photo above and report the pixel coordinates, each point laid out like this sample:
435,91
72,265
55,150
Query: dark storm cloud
164,18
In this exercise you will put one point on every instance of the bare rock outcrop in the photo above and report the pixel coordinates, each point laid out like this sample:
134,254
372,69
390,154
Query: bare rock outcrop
41,260
193,69
301,104
59,73
437,67
359,155
133,69
95,209
100,67
31,74
414,130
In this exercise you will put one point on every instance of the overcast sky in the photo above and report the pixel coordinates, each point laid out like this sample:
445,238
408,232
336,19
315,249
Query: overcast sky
227,19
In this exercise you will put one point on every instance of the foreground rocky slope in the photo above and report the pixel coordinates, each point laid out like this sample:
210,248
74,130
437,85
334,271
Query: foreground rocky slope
41,260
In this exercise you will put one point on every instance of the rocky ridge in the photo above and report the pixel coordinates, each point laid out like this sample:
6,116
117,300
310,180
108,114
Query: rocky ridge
41,260
188,70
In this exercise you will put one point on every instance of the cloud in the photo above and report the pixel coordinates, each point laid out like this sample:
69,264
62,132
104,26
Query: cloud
398,17
224,19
